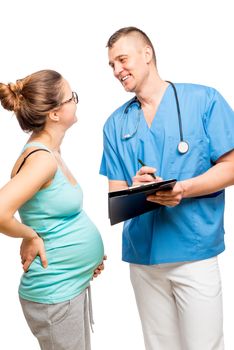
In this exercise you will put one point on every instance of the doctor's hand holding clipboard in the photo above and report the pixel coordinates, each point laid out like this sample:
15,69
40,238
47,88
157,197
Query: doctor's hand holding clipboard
168,198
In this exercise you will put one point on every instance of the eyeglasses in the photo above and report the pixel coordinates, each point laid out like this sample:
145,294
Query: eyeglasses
73,98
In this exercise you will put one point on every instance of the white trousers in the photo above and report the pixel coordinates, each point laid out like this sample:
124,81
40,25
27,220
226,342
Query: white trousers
180,305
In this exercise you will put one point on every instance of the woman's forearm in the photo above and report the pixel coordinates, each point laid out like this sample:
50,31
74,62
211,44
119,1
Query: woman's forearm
13,228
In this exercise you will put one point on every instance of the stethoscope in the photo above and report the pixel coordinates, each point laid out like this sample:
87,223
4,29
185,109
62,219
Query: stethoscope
183,145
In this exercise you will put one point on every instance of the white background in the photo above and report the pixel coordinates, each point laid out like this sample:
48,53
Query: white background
193,42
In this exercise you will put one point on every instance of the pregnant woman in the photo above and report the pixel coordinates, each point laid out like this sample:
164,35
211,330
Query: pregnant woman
61,249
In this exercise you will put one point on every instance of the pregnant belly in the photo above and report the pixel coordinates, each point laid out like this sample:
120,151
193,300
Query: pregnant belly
84,254
78,253
70,268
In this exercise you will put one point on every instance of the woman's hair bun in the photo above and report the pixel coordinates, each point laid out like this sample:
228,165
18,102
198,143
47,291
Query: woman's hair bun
10,95
33,97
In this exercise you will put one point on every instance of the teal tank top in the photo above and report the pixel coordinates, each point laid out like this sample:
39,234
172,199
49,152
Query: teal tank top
73,244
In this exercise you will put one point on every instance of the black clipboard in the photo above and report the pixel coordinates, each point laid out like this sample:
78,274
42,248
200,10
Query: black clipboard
131,202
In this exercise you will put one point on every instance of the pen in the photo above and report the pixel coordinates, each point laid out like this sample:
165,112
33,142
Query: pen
140,161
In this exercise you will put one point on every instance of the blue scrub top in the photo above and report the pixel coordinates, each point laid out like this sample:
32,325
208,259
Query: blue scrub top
193,230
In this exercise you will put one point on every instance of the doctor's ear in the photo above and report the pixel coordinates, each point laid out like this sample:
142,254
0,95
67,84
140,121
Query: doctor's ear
53,115
148,54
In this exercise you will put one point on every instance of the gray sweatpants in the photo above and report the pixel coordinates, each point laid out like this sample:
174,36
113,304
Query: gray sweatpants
62,326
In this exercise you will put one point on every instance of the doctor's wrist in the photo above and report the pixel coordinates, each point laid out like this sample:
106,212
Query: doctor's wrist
184,189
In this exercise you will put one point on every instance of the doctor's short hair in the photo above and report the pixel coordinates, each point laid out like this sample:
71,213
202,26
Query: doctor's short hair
127,31
32,98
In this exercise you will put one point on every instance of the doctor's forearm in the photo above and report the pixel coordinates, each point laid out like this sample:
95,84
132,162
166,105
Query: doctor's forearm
213,180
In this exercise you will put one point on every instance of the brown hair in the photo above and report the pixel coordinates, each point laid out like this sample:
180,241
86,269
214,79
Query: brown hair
31,98
126,31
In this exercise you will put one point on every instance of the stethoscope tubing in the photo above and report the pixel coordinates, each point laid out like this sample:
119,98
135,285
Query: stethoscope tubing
178,110
183,145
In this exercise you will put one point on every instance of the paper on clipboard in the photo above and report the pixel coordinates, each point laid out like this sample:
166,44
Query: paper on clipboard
128,203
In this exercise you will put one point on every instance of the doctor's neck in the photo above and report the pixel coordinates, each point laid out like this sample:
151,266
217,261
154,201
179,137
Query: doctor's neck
152,89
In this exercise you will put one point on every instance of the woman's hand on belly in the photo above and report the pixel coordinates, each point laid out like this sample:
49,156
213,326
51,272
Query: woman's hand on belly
29,249
100,268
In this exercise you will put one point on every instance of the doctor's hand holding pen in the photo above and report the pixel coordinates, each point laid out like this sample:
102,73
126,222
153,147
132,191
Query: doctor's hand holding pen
168,198
145,174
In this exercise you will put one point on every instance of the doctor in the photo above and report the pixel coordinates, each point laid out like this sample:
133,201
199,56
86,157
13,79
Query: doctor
182,131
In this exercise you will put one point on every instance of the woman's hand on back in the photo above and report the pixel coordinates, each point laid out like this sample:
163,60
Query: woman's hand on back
29,249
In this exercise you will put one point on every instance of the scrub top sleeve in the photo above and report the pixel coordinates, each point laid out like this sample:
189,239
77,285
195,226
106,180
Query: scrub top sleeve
219,125
111,164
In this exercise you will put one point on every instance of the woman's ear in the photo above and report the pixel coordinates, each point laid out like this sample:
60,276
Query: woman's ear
53,115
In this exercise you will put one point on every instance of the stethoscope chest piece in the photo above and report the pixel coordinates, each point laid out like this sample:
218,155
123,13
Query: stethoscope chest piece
183,147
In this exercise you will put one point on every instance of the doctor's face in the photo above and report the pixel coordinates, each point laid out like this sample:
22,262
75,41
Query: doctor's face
129,59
